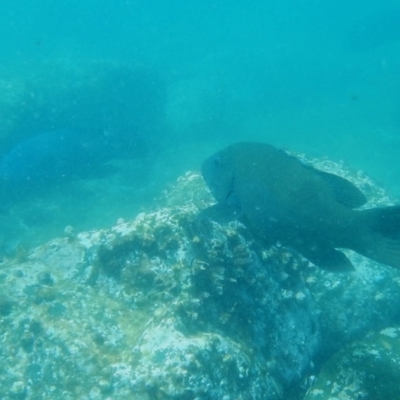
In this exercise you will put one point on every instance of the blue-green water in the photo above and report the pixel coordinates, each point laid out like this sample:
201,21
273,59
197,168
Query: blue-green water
315,77
103,105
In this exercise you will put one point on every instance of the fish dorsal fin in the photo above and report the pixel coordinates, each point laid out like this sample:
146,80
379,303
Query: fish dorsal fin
345,192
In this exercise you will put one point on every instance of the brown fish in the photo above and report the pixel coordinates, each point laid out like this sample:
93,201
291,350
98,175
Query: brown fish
283,200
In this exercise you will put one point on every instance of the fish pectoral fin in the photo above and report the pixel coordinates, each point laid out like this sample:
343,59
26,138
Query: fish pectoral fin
345,192
329,259
383,225
385,251
221,213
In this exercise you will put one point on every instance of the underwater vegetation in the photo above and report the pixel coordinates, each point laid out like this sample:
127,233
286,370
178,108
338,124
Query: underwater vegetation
283,200
172,306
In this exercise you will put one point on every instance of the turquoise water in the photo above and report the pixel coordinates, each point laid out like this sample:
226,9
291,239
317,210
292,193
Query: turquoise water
315,77
103,106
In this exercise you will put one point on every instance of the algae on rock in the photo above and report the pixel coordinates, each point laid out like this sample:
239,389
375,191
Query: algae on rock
163,307
368,369
170,306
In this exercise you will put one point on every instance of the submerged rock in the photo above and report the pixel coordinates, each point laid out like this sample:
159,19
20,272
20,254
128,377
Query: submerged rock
165,306
369,369
169,306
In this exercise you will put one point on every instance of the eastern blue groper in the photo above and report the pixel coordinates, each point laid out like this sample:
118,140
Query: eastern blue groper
283,200
50,157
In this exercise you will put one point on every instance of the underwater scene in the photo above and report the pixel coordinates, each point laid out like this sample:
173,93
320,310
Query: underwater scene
199,200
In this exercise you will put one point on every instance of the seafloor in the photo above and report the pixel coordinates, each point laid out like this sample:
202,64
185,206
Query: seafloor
170,306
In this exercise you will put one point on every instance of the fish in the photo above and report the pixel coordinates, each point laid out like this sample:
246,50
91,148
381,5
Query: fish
44,157
49,158
283,200
61,155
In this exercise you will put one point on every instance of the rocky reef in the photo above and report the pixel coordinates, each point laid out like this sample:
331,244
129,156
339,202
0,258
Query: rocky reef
367,369
103,122
98,98
170,306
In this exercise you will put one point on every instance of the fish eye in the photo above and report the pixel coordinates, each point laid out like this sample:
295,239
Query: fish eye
217,162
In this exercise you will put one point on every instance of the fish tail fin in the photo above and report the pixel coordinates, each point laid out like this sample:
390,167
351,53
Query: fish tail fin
383,243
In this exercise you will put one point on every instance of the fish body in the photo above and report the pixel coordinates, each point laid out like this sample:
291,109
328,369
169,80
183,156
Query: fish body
51,157
283,200
46,160
48,155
